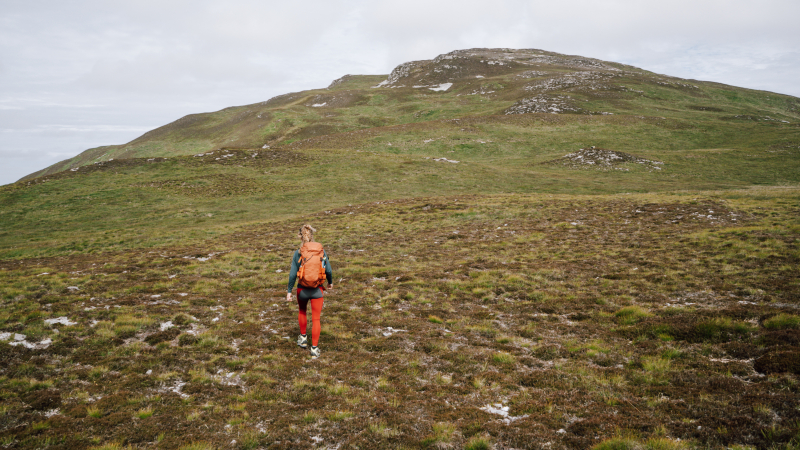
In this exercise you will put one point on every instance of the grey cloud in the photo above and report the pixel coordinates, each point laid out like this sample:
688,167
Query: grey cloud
175,73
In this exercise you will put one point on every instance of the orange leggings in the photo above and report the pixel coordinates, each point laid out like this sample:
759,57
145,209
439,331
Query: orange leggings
316,311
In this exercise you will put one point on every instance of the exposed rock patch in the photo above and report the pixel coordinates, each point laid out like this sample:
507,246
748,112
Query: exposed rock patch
553,104
602,159
592,80
472,63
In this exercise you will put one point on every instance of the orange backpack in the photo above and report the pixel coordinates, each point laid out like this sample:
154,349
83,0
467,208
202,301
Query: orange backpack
312,266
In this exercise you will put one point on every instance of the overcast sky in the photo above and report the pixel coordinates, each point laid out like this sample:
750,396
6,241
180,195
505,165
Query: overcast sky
79,74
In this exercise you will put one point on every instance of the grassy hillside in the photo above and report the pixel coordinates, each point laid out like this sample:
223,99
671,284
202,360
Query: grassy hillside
552,251
143,202
464,83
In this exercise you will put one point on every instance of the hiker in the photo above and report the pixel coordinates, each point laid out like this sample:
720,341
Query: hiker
310,268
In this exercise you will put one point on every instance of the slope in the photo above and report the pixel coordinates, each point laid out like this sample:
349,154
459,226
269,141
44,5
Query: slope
152,201
476,82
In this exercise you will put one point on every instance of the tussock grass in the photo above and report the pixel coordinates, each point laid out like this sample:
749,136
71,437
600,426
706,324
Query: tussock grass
338,389
138,322
655,370
111,446
198,446
442,434
338,416
144,413
380,428
478,443
649,444
311,417
98,372
630,315
721,328
40,426
504,358
656,365
617,444
782,322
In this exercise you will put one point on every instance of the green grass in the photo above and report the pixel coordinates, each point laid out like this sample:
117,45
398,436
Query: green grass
782,322
721,328
136,203
504,358
649,444
110,446
198,446
47,218
630,315
478,443
144,413
94,412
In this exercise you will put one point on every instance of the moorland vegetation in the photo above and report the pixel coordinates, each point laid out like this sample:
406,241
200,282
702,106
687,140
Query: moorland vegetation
531,250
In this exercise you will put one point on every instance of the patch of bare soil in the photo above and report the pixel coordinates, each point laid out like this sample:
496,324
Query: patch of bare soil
603,159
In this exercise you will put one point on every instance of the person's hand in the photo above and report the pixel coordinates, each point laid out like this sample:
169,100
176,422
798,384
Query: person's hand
330,286
288,296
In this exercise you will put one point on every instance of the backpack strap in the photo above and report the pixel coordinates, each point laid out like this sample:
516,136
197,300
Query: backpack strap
301,268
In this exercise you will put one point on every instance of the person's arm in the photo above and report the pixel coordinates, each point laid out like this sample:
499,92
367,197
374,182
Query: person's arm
328,271
292,275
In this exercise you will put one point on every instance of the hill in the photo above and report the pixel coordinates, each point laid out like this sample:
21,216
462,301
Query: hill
463,83
371,138
530,250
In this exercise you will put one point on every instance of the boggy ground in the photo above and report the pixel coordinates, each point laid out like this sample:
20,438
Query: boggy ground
509,321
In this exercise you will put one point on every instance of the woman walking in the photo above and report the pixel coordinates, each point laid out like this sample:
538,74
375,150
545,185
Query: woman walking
310,269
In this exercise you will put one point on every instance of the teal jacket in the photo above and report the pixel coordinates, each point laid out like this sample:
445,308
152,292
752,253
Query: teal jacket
296,266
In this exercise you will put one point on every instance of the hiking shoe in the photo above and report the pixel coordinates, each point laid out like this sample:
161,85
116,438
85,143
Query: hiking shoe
302,341
314,352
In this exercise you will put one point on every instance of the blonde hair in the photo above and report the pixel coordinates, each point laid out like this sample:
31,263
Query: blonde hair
307,233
